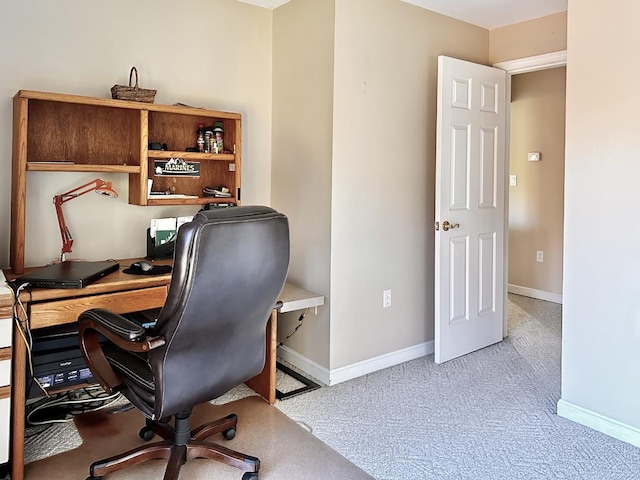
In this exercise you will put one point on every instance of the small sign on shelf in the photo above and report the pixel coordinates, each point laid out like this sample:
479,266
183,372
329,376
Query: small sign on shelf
176,167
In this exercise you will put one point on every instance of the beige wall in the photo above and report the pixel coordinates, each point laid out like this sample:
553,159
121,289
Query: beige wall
536,203
84,47
354,115
601,316
383,172
301,171
526,39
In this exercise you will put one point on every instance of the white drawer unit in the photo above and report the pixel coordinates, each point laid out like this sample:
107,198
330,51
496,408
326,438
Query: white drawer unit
6,335
5,330
5,413
5,370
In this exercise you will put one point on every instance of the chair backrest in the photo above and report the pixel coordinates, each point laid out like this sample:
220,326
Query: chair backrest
229,268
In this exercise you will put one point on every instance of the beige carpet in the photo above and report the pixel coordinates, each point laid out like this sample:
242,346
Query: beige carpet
285,449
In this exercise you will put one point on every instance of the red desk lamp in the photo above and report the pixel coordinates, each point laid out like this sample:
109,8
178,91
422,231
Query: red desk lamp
99,186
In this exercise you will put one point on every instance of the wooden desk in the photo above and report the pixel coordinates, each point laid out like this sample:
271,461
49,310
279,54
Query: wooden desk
121,293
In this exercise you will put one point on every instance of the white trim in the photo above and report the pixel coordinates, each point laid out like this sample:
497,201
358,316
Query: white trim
598,422
537,62
533,293
505,181
354,370
513,67
311,368
371,365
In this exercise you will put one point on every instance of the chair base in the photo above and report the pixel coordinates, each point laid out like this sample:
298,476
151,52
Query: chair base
181,444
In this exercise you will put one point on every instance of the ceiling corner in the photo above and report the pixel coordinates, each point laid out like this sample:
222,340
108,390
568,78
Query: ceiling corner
265,3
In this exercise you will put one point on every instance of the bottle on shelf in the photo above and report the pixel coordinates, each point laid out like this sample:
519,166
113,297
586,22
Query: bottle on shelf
209,139
218,132
200,138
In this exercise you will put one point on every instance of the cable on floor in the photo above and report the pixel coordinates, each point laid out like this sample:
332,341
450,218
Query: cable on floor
62,408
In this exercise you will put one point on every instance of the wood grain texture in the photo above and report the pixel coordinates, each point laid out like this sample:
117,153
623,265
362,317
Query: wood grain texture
18,185
265,382
71,133
47,314
5,392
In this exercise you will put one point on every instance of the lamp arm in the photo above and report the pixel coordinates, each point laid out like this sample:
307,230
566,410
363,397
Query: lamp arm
77,192
65,233
58,200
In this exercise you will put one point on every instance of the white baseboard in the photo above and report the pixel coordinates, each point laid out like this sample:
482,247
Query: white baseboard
348,372
358,369
598,422
533,293
311,368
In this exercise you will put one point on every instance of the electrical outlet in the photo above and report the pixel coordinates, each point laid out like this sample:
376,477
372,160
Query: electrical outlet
540,256
386,299
513,180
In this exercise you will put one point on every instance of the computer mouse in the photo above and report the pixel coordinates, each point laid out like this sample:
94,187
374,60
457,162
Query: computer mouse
141,266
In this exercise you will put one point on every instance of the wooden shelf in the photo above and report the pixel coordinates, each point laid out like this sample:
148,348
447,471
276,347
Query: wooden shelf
189,201
162,154
56,132
108,102
77,167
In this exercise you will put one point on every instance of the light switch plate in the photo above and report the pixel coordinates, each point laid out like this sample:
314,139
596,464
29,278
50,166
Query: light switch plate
533,156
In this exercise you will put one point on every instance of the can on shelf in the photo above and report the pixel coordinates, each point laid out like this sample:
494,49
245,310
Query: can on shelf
218,132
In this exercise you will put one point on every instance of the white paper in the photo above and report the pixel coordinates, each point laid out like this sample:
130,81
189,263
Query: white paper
182,220
161,224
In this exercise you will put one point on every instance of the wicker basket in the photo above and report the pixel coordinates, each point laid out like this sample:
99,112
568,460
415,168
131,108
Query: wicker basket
135,93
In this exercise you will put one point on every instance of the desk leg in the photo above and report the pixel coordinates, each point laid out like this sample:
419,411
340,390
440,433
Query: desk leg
265,382
18,382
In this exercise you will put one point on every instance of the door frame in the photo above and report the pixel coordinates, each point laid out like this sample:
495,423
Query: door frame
515,67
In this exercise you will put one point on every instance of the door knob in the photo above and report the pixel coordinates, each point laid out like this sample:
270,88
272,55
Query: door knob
448,226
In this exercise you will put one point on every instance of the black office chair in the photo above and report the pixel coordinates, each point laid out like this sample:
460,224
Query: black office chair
210,336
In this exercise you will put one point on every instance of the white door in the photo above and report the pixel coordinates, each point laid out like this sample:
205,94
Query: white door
470,211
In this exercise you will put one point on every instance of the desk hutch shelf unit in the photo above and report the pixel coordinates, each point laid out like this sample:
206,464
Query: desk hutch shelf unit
55,132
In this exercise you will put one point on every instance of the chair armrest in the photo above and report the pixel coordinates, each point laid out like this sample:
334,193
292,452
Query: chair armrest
123,332
120,331
115,323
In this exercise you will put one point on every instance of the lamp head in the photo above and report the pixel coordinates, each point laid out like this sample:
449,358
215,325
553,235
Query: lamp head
107,190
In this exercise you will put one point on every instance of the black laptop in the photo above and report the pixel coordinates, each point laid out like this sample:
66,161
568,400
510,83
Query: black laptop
67,274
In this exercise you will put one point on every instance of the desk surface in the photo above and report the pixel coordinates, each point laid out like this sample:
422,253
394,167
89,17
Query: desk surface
292,296
113,282
296,298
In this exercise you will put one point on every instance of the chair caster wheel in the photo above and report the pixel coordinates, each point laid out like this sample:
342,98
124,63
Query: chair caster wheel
229,434
146,434
93,478
250,476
